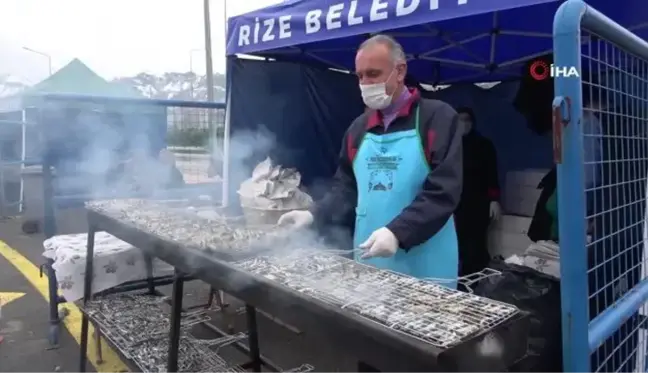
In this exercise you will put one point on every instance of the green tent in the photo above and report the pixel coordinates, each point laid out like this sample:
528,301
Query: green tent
77,78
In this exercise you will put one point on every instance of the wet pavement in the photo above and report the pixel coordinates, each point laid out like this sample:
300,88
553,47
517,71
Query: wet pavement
24,324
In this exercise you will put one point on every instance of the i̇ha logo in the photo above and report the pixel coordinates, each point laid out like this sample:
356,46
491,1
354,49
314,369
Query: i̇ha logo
540,70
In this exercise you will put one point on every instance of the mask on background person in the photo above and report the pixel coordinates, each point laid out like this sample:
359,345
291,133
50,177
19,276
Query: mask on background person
375,95
467,125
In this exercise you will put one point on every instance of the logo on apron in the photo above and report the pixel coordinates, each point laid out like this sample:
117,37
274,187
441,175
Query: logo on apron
382,168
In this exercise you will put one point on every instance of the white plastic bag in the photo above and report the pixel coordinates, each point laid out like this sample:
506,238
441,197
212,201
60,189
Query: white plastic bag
273,187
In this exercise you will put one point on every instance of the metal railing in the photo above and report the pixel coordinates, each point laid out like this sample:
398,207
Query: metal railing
18,143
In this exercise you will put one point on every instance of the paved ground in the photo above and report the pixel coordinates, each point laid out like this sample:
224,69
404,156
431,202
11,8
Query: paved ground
24,322
24,327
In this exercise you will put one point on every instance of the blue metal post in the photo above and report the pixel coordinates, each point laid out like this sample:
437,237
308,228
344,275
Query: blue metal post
571,194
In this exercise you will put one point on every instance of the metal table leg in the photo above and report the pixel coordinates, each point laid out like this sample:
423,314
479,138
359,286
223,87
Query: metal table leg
244,348
87,295
54,320
148,261
176,314
221,304
49,230
97,339
253,338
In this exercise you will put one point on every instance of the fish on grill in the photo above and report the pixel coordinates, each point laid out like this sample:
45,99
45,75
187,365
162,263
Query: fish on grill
193,228
425,310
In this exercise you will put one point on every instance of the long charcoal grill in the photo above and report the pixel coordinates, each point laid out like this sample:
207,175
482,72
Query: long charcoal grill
376,313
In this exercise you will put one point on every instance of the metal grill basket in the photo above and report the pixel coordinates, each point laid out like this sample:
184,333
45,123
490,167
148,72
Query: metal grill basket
424,310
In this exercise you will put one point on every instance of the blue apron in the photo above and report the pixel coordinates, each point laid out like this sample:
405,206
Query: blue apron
390,170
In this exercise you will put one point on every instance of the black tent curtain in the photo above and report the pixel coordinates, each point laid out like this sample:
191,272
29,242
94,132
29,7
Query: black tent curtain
294,113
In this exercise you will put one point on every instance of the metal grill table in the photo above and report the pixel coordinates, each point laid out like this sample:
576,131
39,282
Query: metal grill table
390,321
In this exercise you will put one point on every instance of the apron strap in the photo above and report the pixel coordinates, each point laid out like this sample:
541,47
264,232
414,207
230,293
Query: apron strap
422,141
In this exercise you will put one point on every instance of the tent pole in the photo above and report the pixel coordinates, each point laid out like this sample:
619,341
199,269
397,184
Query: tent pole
225,180
23,157
208,54
493,41
209,71
225,189
225,24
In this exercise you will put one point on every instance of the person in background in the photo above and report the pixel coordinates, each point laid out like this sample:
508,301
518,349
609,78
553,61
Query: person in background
479,203
171,175
149,174
113,135
547,228
214,169
592,142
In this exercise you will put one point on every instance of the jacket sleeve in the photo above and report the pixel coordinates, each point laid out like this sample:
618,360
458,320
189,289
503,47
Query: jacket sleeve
490,157
339,202
441,190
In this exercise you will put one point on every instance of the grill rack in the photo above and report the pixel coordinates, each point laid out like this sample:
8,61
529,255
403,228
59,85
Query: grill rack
135,317
210,349
150,353
154,361
421,309
302,369
155,348
216,236
228,340
194,355
149,349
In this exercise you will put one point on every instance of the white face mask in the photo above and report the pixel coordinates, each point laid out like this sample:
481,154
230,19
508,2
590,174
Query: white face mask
466,124
375,95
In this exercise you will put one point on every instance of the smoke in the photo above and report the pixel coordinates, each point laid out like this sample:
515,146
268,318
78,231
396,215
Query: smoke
246,149
107,154
490,346
101,153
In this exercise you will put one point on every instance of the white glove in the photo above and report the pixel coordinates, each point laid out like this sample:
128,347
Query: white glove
495,210
381,243
296,219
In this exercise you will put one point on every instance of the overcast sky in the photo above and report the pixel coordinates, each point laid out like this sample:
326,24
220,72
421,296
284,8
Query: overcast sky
113,37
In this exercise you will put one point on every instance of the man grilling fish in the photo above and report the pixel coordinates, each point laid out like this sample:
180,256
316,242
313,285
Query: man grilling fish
401,168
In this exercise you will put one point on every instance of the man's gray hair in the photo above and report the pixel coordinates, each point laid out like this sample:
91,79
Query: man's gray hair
397,53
